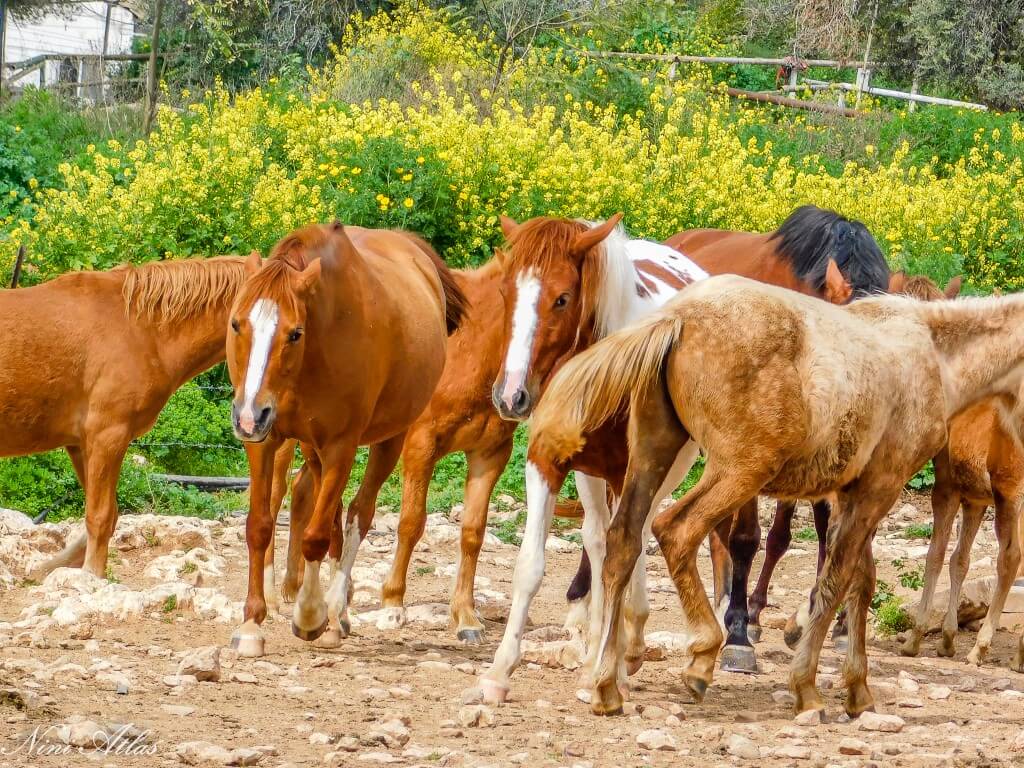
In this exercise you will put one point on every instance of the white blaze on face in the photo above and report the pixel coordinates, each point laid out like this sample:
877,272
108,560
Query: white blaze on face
524,325
263,318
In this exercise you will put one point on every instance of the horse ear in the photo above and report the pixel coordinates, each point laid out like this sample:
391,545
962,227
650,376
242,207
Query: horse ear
953,288
837,289
254,263
897,282
309,278
508,226
587,240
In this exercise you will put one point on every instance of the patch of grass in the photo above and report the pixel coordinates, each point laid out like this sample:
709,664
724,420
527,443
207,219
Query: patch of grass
807,533
918,531
188,568
28,583
170,604
508,530
424,570
152,540
924,479
110,575
891,618
910,578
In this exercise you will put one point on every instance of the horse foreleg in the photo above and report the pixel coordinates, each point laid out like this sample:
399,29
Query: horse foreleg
592,493
333,466
103,453
259,528
526,578
418,459
959,563
482,474
744,540
282,463
1007,561
776,545
945,503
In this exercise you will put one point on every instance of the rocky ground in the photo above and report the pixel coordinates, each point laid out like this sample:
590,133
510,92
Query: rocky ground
141,661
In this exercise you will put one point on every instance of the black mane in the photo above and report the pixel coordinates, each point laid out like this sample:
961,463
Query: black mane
811,236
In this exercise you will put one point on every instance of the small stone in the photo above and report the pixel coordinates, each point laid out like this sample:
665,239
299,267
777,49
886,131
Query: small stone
910,702
378,757
475,716
809,717
202,663
199,752
673,721
347,744
906,682
792,751
375,694
939,692
654,713
438,666
319,737
574,749
873,721
1018,742
740,746
784,697
400,693
243,677
394,733
519,758
584,695
656,740
245,756
851,746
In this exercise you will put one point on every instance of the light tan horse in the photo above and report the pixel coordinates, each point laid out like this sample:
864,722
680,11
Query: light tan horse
790,397
337,341
87,361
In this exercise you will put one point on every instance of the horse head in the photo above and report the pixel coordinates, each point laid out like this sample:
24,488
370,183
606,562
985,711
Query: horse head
552,272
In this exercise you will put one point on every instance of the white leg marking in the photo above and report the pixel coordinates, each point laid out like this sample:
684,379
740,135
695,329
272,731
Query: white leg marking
524,325
263,316
311,595
596,518
337,593
529,571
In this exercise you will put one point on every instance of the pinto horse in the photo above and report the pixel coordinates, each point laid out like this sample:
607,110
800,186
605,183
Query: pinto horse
78,374
791,397
624,281
337,341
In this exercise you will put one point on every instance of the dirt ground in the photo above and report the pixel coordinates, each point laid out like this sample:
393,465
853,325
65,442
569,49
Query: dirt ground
397,697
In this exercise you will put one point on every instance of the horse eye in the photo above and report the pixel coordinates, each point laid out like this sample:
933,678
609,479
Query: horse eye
234,325
295,335
562,301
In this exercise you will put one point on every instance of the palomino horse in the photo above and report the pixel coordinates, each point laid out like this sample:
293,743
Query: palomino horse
81,375
620,294
337,341
780,533
790,397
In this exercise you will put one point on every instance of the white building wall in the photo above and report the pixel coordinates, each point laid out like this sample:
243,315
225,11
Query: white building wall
79,32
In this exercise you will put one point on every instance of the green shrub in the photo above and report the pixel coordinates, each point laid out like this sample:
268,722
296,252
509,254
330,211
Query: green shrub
892,618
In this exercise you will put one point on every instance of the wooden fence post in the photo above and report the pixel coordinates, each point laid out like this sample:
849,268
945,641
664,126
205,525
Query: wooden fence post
912,107
3,44
18,261
151,83
103,55
670,77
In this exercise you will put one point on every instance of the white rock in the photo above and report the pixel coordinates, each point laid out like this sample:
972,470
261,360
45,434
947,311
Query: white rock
394,733
656,740
178,710
939,692
555,544
740,746
905,682
203,663
476,715
873,721
318,737
436,666
12,521
199,752
851,746
808,717
378,757
792,751
245,756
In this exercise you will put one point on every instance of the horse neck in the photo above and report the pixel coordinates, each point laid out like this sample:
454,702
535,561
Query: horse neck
981,346
483,327
189,347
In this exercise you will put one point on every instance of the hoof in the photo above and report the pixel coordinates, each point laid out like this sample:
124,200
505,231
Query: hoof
309,635
607,699
599,708
494,692
911,646
946,647
248,643
738,658
976,656
697,688
633,666
471,636
754,633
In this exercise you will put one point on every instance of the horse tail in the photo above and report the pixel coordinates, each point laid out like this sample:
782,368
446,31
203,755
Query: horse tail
593,386
455,302
572,508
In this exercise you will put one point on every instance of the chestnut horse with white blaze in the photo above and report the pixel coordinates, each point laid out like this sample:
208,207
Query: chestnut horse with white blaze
90,358
621,282
790,397
337,341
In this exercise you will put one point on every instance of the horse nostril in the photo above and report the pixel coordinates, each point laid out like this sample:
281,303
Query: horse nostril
263,418
520,401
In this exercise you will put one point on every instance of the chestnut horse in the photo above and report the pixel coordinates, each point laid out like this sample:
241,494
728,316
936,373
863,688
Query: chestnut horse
656,275
790,397
337,341
90,358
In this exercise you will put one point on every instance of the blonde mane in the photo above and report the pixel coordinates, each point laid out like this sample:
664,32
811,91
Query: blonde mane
170,291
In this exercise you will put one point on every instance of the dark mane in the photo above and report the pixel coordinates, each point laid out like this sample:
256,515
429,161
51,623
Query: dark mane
811,236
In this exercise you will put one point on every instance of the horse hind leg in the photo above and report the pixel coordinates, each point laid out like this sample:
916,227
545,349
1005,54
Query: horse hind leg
959,562
862,587
482,474
596,519
738,654
73,553
779,537
1007,561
